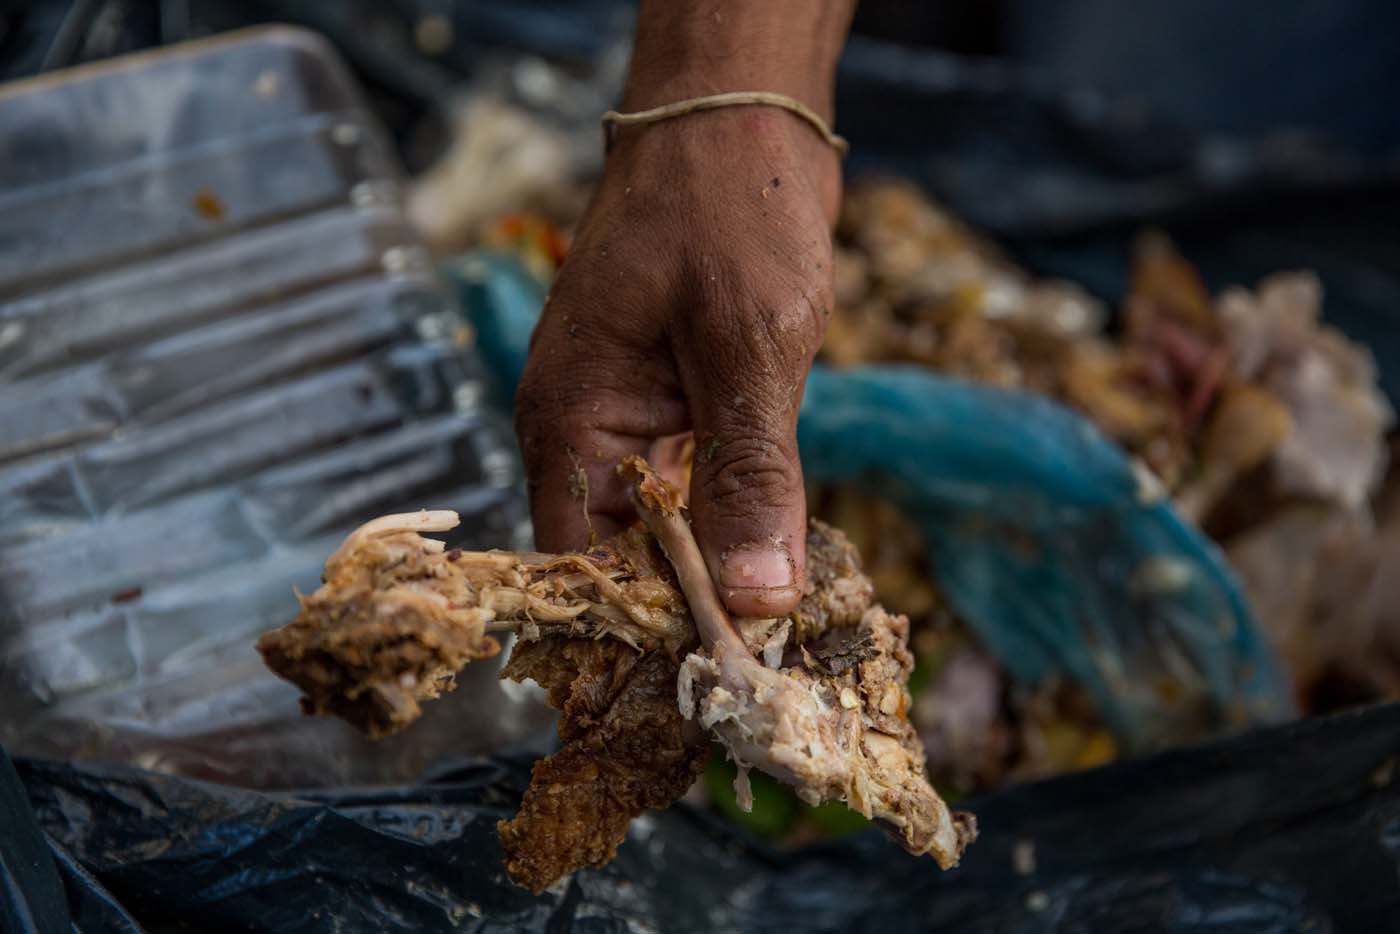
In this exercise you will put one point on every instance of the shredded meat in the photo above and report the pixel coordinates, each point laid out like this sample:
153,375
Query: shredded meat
398,616
832,737
632,645
386,629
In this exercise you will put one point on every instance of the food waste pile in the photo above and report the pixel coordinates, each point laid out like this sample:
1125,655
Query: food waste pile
1265,425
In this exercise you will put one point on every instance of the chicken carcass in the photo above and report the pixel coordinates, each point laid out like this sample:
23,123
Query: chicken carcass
834,733
645,666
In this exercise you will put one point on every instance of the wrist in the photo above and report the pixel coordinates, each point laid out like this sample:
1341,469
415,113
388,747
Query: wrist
685,50
754,143
654,87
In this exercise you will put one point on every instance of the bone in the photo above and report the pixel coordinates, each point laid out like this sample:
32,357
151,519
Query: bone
659,505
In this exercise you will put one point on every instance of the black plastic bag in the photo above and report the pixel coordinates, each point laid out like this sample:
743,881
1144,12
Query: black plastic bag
1295,828
44,889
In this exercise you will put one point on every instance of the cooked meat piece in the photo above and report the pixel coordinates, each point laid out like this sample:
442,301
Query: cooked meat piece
398,616
833,737
387,629
625,750
627,747
602,632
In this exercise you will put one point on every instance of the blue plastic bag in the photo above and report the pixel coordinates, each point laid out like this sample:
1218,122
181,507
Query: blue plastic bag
502,301
1061,553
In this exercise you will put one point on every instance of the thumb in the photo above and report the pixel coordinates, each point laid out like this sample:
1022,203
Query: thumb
747,500
749,511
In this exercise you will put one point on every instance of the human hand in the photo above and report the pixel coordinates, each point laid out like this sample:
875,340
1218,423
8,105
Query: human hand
693,299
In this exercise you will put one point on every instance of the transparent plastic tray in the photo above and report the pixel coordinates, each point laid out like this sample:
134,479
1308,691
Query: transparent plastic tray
221,348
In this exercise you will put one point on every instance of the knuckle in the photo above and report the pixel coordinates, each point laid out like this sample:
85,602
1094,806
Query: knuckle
750,472
796,324
756,310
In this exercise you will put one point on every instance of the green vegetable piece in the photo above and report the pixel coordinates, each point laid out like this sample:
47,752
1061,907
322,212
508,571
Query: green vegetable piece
774,806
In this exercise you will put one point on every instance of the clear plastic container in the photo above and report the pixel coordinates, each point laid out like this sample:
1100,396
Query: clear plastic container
221,348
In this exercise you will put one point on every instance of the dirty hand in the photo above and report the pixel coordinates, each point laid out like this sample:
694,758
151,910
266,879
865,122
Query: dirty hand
693,299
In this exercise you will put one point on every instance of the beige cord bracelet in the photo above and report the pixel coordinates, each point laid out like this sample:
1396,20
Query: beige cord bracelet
612,119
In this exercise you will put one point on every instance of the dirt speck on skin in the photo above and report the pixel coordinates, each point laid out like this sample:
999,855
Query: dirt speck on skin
578,483
578,477
207,205
710,451
578,489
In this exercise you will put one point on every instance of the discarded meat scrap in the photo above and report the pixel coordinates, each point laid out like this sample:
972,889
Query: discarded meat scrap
633,646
